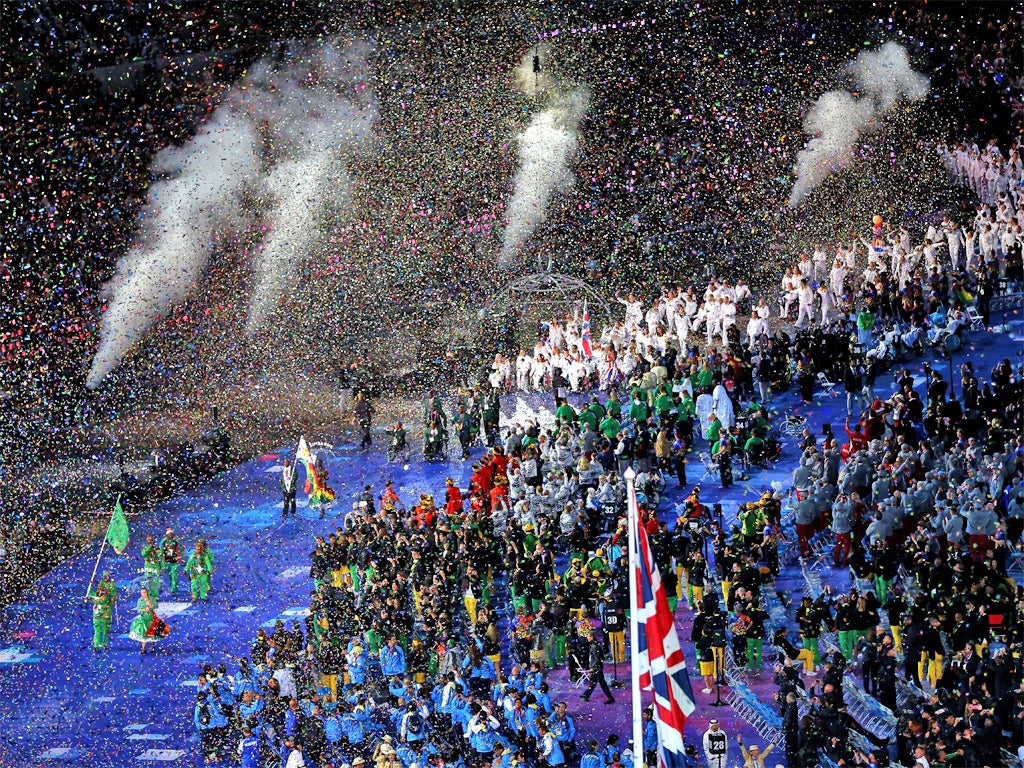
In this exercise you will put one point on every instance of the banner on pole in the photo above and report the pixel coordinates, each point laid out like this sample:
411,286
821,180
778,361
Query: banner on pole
117,530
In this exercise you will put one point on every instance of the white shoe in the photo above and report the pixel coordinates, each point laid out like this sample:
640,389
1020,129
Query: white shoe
707,690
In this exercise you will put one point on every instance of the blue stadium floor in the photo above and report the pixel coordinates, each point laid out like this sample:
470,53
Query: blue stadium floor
63,705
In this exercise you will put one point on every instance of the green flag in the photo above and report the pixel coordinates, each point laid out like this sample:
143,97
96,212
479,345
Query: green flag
117,531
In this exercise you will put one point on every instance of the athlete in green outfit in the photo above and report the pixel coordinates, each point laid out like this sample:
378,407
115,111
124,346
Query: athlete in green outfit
102,599
565,412
170,549
152,562
200,570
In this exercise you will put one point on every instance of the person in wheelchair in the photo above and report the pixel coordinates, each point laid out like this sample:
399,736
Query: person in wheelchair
693,507
758,418
651,483
435,437
910,339
758,447
398,444
755,449
955,321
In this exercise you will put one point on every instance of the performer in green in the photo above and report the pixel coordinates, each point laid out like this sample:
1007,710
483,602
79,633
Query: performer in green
147,627
152,562
200,570
170,549
103,599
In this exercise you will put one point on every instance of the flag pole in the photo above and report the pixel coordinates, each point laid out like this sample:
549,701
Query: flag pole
634,629
103,545
96,567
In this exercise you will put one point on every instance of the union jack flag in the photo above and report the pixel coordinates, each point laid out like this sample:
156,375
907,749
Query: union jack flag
585,335
662,666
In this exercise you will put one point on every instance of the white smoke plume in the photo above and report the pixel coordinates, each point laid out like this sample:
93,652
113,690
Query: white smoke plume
838,119
318,110
887,77
545,148
526,77
311,110
204,180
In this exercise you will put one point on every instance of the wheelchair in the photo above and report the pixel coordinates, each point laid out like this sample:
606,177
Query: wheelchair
398,445
435,444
